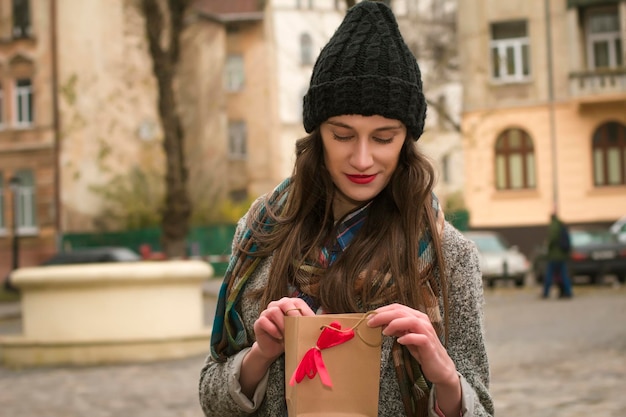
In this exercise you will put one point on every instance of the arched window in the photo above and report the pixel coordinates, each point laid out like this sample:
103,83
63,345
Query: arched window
609,154
515,160
306,49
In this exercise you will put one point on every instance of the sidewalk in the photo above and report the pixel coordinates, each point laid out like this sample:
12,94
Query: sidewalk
13,310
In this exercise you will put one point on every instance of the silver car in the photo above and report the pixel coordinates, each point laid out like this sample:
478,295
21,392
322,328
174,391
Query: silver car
498,259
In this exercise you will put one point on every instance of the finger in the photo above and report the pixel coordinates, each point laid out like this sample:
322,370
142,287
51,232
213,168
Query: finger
303,307
383,317
401,326
267,326
414,339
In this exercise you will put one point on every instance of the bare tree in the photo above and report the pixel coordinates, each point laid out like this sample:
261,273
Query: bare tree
164,24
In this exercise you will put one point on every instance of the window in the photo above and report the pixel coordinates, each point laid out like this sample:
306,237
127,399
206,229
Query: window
237,140
445,168
1,107
515,161
238,196
609,155
234,77
2,209
306,49
299,4
604,43
26,206
23,103
510,55
21,19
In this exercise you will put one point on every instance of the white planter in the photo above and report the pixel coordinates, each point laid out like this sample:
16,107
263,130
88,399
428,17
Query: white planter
109,313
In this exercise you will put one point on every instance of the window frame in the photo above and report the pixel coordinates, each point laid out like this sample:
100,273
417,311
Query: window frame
306,49
601,157
612,39
501,46
234,73
2,105
21,25
23,101
3,211
26,195
527,163
237,140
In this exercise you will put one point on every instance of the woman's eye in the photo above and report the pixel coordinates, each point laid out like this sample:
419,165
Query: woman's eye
340,138
383,140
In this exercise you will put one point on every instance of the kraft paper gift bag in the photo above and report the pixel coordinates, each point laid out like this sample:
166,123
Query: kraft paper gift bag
332,366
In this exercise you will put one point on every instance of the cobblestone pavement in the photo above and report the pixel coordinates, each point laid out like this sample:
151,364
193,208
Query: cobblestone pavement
549,358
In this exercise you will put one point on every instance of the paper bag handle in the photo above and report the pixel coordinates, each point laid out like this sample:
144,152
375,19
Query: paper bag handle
354,328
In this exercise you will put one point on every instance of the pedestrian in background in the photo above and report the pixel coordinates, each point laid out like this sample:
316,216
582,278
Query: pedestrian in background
355,228
559,249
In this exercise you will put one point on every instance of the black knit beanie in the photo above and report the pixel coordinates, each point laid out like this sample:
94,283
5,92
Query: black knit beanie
366,68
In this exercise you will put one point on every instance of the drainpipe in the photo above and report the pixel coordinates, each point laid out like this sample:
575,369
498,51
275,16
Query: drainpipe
551,110
56,124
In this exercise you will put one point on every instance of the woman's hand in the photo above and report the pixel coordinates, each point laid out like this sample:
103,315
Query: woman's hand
415,331
269,328
269,331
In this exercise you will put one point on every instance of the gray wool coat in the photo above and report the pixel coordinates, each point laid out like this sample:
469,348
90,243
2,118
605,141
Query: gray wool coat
220,392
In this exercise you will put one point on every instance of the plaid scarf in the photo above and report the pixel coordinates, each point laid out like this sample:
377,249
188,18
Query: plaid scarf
229,335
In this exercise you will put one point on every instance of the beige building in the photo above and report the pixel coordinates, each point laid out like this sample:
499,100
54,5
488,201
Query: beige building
28,130
79,126
544,113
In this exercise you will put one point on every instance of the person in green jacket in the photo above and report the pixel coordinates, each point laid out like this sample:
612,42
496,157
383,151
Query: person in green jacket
559,249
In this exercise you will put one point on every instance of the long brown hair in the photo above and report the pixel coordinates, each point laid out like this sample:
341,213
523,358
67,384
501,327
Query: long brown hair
387,244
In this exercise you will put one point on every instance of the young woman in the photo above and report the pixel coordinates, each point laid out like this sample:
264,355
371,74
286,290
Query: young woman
355,228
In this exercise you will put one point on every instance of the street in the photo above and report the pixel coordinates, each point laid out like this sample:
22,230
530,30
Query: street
549,358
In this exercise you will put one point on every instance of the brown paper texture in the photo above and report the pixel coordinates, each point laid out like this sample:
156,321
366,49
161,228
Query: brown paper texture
354,369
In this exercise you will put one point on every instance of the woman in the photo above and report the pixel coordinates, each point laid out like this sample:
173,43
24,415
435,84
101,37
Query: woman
355,228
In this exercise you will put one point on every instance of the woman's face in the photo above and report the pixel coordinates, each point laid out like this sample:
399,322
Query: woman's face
361,153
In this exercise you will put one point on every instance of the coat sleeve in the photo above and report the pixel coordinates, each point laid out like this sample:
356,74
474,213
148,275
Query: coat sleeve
219,389
466,344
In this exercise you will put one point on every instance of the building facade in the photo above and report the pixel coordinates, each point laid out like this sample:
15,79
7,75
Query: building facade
28,146
544,113
79,124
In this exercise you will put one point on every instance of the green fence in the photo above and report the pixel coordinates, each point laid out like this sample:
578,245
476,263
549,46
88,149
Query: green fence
459,219
210,242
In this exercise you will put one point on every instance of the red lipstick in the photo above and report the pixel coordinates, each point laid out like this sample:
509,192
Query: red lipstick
361,179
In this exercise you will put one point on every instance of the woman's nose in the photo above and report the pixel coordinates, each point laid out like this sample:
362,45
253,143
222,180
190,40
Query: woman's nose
362,158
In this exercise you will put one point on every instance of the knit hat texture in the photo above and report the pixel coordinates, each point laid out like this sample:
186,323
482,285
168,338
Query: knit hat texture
366,68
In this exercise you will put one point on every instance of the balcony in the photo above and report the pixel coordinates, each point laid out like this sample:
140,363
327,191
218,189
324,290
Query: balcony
605,85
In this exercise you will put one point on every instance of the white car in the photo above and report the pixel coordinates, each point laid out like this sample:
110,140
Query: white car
498,259
619,229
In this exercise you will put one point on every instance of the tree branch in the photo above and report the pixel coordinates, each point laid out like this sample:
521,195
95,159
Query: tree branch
443,113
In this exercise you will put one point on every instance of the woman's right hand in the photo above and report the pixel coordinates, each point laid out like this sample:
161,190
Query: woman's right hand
269,328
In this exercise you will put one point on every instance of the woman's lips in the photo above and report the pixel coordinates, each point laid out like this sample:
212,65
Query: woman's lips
361,179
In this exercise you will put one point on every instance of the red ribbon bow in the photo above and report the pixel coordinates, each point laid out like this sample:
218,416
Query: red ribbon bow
312,362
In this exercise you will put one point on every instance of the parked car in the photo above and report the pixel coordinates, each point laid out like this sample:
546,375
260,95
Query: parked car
498,259
94,255
619,229
85,256
595,253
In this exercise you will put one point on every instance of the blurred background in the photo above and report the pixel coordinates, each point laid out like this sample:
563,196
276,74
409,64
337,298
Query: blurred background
127,123
143,129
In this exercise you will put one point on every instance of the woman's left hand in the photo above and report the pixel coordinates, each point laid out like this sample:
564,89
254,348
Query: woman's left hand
415,331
